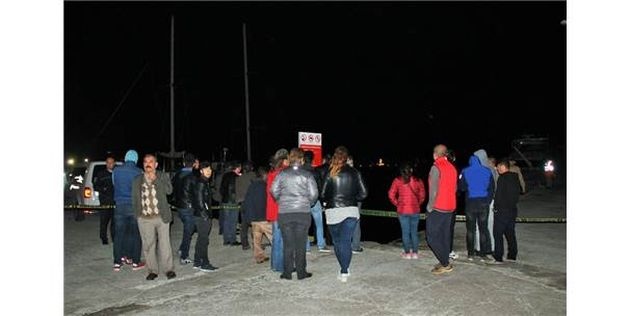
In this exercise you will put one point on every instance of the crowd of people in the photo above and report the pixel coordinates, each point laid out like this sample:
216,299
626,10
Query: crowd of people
281,200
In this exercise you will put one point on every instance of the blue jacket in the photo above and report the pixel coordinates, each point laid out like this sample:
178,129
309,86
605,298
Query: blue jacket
476,180
122,177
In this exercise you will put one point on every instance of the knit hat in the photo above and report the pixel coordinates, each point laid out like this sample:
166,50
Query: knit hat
132,156
281,154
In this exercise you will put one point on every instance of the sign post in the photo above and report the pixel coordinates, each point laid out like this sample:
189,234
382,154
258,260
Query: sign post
312,142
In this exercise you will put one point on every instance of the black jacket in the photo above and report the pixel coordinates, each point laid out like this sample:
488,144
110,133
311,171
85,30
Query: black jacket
200,193
255,203
346,189
228,187
105,187
182,181
508,192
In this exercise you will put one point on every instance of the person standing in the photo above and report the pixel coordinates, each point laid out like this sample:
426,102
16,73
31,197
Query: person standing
516,169
356,235
281,161
105,188
242,183
407,194
477,183
295,190
441,208
127,242
342,189
316,210
254,208
153,212
490,163
201,201
228,204
182,183
505,200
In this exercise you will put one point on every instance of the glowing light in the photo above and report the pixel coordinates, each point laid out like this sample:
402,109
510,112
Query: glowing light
70,161
380,162
86,160
549,166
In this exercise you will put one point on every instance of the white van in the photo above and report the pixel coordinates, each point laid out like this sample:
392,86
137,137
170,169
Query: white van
83,184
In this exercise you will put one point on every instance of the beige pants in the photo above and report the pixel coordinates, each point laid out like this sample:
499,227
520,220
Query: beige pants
155,236
258,230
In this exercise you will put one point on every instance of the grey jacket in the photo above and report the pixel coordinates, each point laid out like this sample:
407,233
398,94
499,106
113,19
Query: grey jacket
163,187
295,190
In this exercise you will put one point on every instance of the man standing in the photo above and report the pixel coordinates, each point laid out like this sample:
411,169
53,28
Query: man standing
182,186
127,242
440,208
242,183
316,210
228,202
105,188
477,182
151,207
505,199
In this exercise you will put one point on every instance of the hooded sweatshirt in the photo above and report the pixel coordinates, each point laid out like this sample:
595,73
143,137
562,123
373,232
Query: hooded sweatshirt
476,180
483,158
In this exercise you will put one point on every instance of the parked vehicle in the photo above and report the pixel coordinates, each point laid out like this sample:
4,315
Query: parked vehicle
81,183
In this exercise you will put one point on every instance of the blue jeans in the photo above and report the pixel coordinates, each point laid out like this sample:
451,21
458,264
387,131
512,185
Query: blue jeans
356,236
230,219
341,235
409,228
277,255
127,242
188,220
316,212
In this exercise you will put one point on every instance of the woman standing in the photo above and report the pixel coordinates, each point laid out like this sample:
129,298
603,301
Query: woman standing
407,194
341,192
295,190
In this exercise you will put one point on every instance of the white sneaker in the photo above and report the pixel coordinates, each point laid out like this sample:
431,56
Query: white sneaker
453,255
343,277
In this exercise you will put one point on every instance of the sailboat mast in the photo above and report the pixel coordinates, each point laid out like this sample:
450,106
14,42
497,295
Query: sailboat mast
172,85
247,128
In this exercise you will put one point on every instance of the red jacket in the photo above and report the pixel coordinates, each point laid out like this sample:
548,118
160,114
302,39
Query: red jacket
407,197
272,205
447,186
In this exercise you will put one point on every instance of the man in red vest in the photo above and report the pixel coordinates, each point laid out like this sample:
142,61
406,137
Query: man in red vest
441,208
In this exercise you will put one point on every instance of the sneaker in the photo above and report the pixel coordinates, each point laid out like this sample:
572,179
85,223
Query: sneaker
470,258
355,251
414,255
184,261
137,266
453,255
197,265
208,268
493,261
170,275
405,255
125,260
442,269
151,276
343,277
325,249
117,267
486,258
306,275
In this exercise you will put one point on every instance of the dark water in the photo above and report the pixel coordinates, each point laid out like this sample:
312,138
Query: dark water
378,180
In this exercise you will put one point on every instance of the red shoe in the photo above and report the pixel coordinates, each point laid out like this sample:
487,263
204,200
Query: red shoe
137,266
117,267
125,260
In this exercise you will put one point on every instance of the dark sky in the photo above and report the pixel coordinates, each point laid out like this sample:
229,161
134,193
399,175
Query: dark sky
385,79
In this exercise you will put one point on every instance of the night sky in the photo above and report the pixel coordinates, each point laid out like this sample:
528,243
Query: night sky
385,79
